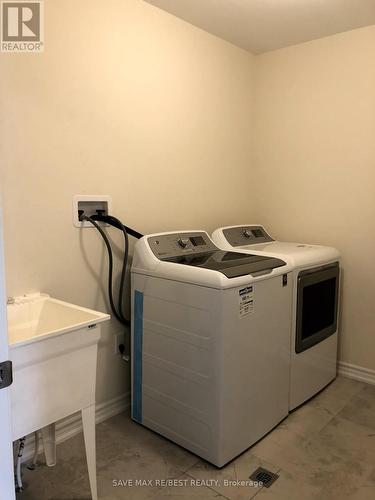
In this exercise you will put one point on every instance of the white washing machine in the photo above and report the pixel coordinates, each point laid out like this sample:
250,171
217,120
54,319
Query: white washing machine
314,331
210,343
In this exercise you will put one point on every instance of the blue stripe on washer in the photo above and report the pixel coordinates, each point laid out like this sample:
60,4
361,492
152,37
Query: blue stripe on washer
137,356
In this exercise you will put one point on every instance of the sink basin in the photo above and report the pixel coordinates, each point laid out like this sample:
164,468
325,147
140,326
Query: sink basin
33,317
53,348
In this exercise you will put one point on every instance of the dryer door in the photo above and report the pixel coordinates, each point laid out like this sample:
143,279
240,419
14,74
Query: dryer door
317,304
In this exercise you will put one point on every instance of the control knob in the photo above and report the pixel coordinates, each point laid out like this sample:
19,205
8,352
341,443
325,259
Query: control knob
183,242
247,233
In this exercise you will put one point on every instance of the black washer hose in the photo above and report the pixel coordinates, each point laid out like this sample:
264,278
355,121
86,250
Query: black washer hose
118,315
123,272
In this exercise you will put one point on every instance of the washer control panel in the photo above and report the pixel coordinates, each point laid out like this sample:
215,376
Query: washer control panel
246,235
176,244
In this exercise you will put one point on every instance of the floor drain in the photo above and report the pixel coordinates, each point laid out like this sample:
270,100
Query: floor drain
264,476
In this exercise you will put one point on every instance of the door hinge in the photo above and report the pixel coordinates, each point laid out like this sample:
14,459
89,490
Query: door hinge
6,374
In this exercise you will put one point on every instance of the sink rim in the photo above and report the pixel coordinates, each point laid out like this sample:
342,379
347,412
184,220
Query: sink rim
99,317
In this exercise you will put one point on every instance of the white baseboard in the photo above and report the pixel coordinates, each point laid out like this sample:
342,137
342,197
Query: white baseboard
356,372
72,425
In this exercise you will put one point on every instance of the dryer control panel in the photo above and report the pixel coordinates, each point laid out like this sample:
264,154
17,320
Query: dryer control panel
246,235
175,244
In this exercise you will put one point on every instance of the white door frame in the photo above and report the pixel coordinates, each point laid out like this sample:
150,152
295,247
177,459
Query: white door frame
6,449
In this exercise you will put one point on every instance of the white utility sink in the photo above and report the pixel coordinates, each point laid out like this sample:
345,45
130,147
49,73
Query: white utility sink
53,347
33,317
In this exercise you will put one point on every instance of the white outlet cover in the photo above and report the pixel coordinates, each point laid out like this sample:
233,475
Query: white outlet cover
100,198
119,339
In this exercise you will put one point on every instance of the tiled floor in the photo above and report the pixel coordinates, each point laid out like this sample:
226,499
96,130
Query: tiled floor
325,450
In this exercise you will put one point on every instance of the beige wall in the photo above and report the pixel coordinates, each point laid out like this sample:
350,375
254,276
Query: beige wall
314,149
129,101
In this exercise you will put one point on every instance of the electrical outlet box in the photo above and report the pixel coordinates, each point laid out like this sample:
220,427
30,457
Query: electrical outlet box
119,339
90,203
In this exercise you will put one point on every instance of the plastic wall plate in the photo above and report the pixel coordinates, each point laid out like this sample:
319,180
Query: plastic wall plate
90,203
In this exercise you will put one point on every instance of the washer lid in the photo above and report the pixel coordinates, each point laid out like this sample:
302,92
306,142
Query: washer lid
255,240
231,264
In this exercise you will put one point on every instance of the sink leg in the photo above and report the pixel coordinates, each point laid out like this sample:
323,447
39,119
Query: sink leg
49,444
88,420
